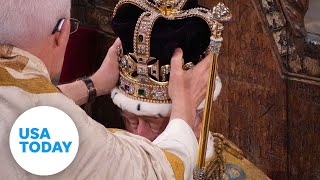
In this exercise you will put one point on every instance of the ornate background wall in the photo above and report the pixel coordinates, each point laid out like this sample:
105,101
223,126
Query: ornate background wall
270,100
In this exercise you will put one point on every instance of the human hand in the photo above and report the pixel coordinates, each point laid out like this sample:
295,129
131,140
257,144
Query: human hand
187,88
107,75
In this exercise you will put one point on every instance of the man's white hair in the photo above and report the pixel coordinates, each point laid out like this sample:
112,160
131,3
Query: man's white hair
24,23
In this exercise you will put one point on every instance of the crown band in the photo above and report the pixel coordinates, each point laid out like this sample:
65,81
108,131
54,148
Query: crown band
142,33
144,92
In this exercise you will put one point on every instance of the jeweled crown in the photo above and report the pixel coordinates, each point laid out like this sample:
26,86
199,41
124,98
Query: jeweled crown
141,76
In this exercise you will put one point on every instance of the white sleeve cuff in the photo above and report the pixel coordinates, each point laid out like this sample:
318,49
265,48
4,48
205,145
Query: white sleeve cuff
179,139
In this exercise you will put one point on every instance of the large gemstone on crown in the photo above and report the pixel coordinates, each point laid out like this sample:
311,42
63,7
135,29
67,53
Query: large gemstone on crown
159,94
142,92
142,69
140,38
143,79
129,88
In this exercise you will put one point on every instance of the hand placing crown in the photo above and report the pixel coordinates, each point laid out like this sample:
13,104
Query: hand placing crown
150,31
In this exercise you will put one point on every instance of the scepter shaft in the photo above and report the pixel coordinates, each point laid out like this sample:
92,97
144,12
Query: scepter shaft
207,112
221,14
216,40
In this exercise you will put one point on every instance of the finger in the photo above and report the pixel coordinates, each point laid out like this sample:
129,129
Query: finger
117,43
113,49
176,61
112,52
205,63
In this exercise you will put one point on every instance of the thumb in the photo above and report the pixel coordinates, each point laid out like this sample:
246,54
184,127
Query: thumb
177,61
117,43
113,49
112,56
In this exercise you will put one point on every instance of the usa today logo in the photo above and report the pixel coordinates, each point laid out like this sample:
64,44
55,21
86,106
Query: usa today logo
44,140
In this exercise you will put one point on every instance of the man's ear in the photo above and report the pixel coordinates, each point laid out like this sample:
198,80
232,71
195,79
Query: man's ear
61,37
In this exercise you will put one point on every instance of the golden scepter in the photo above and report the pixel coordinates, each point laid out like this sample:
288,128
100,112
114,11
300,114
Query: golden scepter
220,14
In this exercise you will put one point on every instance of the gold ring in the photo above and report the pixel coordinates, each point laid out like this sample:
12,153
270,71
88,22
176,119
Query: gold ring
188,66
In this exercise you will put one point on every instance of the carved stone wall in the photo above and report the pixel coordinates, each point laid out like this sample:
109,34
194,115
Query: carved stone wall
270,101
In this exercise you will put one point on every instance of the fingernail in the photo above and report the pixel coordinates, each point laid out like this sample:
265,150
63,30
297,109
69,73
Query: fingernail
118,42
177,51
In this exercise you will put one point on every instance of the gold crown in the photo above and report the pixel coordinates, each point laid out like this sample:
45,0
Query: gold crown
141,78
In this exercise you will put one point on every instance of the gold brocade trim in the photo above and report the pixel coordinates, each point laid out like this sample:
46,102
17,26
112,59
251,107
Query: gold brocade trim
38,85
176,164
18,63
230,163
113,130
243,166
5,50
